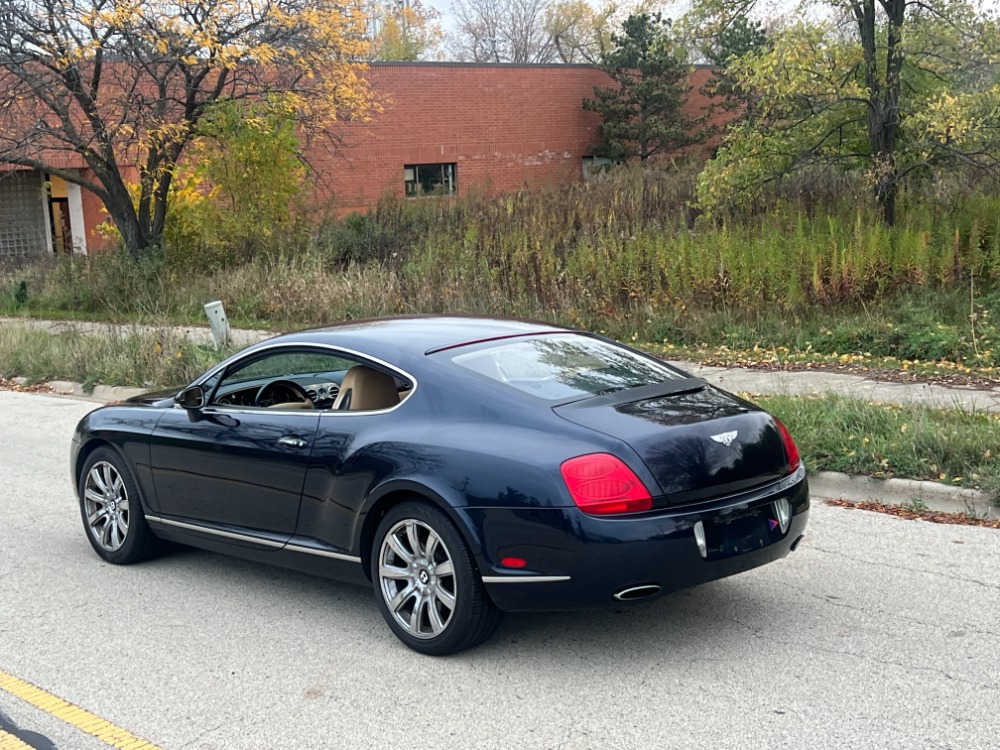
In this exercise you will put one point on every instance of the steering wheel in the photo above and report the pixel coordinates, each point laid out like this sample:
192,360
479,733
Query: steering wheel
283,392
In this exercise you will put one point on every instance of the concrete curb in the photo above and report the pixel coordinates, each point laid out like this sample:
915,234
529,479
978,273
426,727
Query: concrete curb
104,394
933,495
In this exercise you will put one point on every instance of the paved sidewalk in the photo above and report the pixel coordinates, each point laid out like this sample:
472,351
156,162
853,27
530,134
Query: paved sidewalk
201,335
809,382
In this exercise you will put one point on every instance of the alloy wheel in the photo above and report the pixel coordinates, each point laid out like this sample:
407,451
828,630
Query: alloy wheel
106,505
417,578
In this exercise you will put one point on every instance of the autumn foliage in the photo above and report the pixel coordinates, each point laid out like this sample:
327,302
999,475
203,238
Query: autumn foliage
121,87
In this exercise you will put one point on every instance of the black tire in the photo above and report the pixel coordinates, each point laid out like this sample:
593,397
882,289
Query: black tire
111,509
415,601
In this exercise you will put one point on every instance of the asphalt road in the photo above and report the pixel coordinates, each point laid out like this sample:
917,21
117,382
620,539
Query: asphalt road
876,633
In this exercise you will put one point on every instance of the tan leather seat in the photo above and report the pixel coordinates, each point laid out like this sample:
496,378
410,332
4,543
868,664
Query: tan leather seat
366,389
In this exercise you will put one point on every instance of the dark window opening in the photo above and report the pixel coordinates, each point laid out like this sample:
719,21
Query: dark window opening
423,180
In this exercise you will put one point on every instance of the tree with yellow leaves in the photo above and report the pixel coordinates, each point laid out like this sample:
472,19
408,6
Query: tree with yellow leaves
581,31
124,85
896,88
404,30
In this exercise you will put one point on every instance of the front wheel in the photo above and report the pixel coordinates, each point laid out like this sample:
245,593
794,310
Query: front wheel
426,584
112,511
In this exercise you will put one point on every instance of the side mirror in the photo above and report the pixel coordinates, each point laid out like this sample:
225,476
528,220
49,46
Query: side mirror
192,398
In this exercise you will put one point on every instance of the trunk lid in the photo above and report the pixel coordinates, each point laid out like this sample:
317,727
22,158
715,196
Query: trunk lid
698,442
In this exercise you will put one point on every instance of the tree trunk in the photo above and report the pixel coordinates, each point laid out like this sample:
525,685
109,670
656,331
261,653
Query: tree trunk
886,187
118,202
137,235
127,223
883,98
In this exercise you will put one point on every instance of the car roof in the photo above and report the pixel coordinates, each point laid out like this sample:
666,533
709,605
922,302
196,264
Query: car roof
416,335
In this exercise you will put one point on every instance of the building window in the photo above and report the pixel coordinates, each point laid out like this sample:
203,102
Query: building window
595,165
423,180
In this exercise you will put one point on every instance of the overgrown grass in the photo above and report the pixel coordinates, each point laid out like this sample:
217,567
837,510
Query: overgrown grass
138,358
624,254
837,433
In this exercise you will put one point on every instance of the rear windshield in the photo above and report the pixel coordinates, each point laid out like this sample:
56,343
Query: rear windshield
564,366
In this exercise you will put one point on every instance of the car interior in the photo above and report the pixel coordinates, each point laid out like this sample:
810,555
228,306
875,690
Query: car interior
293,381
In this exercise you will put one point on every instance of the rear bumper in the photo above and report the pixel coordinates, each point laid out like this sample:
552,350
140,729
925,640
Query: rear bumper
577,561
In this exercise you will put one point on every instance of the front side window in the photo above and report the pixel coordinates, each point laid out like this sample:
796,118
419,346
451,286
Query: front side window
294,379
423,180
565,366
288,364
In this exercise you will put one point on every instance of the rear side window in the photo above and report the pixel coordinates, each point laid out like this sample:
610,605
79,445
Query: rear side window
565,366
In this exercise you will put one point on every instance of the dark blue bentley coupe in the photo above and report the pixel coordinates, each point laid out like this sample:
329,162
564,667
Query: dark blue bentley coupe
460,466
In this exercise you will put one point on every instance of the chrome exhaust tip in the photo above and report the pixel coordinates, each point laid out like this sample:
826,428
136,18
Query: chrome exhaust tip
632,593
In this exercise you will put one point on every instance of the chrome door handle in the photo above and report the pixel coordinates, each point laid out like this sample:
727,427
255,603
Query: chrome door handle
290,441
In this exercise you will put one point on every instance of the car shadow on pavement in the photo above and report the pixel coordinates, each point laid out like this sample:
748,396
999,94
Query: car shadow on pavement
692,621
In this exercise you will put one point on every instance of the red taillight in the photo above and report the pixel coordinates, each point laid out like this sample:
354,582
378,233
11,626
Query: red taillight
791,451
602,485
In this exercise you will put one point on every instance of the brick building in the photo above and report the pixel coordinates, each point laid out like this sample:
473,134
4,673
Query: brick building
447,129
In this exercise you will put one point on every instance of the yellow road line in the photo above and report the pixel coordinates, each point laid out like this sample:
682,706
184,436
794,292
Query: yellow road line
10,742
73,715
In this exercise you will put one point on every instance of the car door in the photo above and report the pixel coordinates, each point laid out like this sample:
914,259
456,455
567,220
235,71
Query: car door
235,463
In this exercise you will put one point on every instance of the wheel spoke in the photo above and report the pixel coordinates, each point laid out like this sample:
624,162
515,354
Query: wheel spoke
432,545
123,523
444,569
96,516
116,535
445,597
415,614
392,572
414,540
93,497
106,534
401,598
109,481
398,548
434,617
96,478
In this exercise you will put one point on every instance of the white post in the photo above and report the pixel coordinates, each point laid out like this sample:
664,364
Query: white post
77,229
217,320
47,211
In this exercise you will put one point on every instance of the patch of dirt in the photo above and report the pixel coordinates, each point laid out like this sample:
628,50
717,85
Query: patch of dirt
12,385
913,514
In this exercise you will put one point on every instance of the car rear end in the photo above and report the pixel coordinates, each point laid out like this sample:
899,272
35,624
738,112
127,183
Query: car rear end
704,484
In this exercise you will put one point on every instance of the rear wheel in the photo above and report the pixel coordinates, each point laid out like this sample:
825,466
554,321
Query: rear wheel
426,584
112,511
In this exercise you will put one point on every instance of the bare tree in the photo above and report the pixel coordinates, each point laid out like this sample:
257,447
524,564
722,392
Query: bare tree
502,31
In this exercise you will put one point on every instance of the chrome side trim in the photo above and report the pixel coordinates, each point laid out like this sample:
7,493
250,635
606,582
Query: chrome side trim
216,532
323,553
524,579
